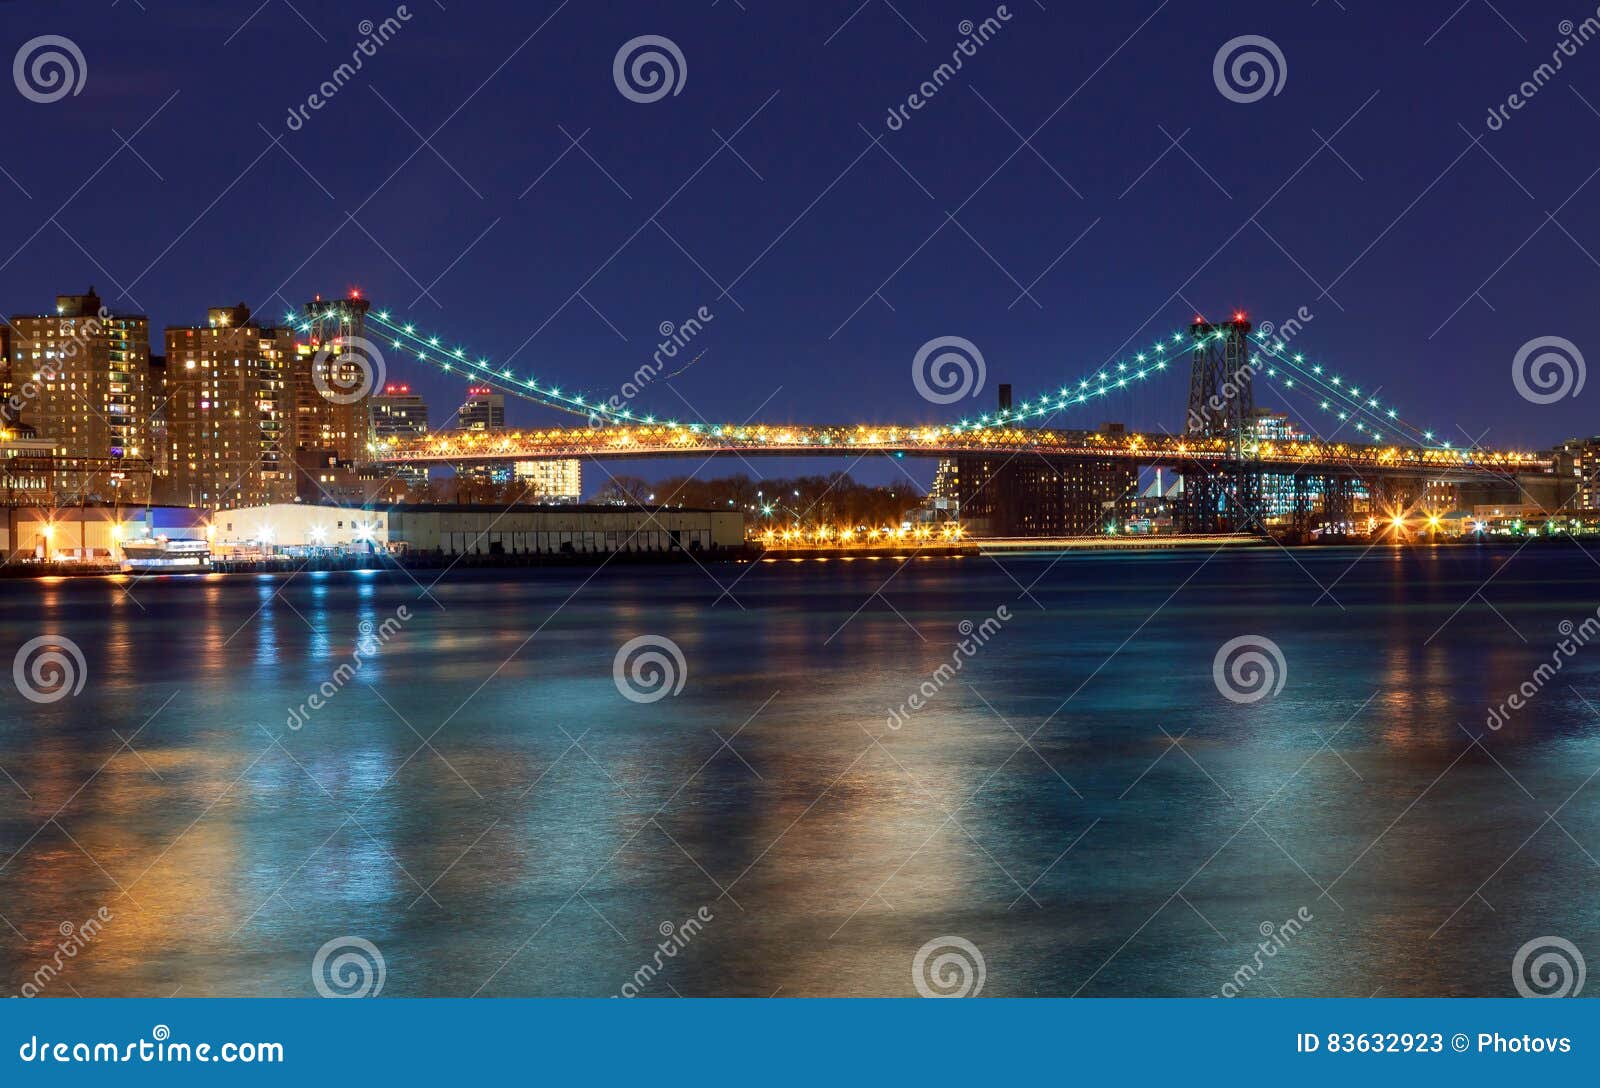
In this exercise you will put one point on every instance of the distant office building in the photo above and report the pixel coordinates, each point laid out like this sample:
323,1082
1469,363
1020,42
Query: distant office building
1001,494
331,378
82,376
484,410
552,481
945,494
227,386
398,415
321,476
1269,426
1278,491
1577,463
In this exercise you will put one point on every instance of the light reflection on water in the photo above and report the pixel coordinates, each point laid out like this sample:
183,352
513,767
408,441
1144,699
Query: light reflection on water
488,810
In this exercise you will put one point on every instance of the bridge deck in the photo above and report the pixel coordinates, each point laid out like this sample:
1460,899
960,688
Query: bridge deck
703,440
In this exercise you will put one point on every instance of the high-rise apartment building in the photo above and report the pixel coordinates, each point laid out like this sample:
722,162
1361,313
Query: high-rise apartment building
160,447
8,413
226,414
81,376
334,376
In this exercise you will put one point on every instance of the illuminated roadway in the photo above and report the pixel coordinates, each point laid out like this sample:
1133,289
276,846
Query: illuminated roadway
646,440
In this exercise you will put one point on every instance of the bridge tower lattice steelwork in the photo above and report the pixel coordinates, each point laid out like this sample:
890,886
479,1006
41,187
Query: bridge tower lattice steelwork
1222,406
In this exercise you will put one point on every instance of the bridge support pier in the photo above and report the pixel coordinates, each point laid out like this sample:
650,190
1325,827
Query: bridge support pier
1221,498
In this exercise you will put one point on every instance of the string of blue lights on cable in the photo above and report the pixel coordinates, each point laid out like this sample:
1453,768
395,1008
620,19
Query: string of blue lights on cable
1339,397
429,349
1333,394
1106,380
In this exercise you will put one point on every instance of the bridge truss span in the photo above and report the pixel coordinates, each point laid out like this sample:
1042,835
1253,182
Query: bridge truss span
643,441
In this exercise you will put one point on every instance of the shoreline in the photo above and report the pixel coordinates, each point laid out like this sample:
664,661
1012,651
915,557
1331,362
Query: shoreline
994,549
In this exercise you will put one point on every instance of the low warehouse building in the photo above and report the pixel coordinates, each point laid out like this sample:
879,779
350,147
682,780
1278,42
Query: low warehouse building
90,534
479,530
301,525
554,530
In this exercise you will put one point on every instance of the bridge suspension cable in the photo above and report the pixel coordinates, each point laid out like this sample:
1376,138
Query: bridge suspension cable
1108,379
1332,393
1342,398
429,349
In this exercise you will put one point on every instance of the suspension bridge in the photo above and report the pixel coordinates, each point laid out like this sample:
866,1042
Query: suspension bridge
1372,451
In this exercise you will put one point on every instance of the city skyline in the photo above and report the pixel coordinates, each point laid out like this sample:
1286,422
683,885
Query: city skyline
241,413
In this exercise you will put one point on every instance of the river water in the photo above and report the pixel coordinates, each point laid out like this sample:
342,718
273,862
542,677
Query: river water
1080,802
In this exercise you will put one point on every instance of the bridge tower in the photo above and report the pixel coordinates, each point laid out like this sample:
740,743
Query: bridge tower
1224,494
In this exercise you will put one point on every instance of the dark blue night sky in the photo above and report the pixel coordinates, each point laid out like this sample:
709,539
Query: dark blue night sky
1426,261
